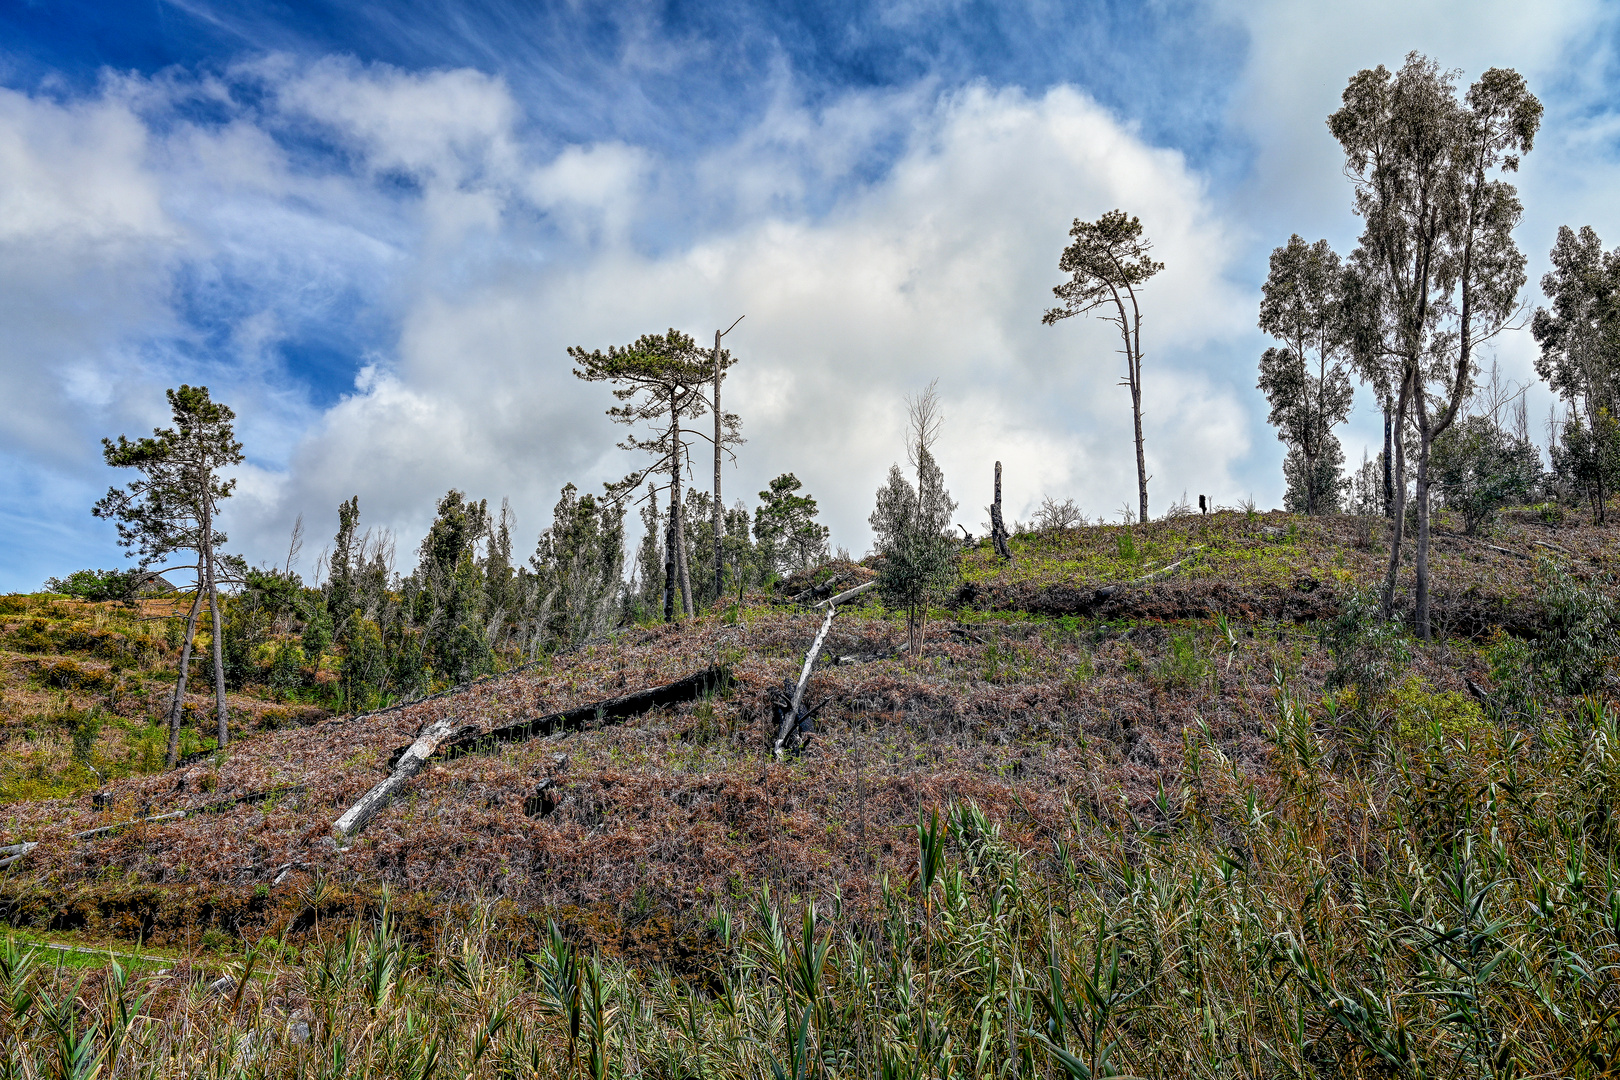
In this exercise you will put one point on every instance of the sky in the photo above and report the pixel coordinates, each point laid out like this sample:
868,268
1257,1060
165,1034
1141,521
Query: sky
375,229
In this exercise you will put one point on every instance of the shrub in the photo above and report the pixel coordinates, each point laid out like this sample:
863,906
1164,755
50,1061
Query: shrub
1419,707
1579,637
1368,650
94,584
1479,468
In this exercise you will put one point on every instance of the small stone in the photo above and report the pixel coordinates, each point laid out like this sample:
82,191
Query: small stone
222,985
559,762
298,1032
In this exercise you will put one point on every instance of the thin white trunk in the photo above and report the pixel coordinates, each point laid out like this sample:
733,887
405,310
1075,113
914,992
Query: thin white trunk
409,764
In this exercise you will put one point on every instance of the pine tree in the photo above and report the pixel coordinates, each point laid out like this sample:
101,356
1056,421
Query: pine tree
174,508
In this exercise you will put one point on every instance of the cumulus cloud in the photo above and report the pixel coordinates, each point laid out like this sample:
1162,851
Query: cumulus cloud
382,269
940,269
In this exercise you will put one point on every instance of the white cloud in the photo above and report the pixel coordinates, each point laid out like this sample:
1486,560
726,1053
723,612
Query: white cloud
874,242
940,269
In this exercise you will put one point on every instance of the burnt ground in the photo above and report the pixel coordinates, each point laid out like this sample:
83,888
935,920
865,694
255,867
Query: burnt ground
1036,697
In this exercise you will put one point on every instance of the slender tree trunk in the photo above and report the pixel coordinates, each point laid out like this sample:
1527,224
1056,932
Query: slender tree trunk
1389,465
719,517
1399,525
177,711
998,529
677,526
683,565
674,501
1141,458
1421,553
217,633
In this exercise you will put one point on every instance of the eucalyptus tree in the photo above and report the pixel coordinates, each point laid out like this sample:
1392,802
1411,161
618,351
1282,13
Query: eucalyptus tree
1307,381
173,508
1436,271
660,379
1580,334
1580,356
1107,263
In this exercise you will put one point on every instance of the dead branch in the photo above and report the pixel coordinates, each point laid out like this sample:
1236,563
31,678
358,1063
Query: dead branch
791,718
1109,590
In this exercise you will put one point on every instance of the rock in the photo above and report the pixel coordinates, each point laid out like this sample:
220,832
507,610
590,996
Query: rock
298,1032
222,985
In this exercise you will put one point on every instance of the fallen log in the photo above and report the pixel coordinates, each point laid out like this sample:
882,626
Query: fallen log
849,594
1505,551
448,739
11,853
709,680
408,765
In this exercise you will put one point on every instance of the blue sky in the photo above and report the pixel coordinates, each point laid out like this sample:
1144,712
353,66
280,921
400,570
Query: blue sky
373,229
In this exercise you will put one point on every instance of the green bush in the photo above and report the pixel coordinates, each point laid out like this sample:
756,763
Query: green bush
1579,638
1479,468
1368,650
94,584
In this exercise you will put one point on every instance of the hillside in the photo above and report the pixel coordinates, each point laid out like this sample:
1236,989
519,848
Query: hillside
1141,744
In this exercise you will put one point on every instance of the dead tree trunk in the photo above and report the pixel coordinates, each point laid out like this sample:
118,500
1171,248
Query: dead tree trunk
998,529
409,764
792,717
674,502
719,516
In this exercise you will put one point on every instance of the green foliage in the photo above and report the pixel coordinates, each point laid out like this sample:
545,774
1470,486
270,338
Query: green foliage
1580,335
1183,666
94,585
1580,634
911,535
1307,381
1420,709
1586,460
578,565
1368,651
1479,468
785,528
171,507
1125,545
1315,485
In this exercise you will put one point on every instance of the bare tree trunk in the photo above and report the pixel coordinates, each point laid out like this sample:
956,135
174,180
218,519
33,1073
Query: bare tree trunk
674,501
1399,524
1422,551
688,601
177,711
217,633
1141,458
719,517
1133,370
1389,464
998,530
